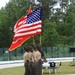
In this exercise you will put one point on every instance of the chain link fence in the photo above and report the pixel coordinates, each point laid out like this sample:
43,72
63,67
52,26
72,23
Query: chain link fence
49,52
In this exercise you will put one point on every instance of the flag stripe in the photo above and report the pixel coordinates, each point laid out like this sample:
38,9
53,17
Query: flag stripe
20,22
28,29
27,25
28,33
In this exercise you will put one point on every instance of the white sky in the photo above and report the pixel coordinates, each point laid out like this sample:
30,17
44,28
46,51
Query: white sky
3,3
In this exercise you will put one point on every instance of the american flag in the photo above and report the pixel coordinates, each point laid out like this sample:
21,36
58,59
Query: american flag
26,27
31,25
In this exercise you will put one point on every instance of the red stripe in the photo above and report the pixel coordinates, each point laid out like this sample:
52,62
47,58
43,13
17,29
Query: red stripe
26,26
28,33
19,21
30,30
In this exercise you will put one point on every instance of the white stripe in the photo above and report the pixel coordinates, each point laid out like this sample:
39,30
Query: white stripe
27,29
28,33
17,40
26,25
15,25
20,22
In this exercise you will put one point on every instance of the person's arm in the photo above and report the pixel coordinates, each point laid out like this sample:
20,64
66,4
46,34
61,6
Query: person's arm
39,57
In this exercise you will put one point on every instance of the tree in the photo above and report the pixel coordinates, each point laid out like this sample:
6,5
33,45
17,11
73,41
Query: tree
70,20
4,31
58,27
50,36
9,15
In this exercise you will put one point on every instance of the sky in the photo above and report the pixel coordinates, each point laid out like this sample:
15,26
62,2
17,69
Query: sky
3,3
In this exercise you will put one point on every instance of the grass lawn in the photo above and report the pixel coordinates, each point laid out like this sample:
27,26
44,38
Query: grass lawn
64,69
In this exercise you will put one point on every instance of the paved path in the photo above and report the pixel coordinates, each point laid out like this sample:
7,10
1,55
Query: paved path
8,64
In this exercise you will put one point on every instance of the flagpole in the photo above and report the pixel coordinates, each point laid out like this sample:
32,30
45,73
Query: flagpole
33,41
40,39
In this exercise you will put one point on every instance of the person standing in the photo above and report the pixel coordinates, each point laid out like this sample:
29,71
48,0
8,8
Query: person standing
26,62
39,47
30,54
37,62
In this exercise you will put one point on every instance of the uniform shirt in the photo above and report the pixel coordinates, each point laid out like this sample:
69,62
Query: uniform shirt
36,56
25,56
30,56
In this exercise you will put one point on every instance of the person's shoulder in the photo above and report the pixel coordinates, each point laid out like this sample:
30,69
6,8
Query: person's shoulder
30,52
38,52
25,53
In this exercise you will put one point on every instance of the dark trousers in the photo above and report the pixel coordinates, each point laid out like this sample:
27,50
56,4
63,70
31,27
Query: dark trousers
37,68
28,68
27,72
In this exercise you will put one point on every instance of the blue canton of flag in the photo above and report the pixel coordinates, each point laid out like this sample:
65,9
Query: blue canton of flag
35,16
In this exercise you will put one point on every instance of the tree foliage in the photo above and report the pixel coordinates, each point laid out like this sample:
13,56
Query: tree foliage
58,26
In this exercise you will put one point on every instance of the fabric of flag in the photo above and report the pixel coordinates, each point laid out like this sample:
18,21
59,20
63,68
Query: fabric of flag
26,27
30,10
33,24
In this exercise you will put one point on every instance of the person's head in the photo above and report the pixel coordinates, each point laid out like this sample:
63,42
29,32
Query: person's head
39,47
26,49
35,48
30,49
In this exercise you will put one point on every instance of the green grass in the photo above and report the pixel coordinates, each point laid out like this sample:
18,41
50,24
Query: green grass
64,69
12,71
